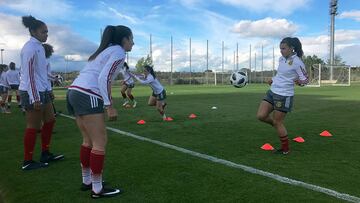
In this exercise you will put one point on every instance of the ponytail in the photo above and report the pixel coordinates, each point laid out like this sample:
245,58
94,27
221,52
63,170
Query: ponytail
112,35
294,43
32,23
49,50
150,69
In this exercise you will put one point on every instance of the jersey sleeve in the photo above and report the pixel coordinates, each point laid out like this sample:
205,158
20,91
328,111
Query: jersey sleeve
147,80
301,71
107,75
29,65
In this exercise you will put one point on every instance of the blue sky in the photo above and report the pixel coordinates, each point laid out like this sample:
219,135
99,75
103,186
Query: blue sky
74,29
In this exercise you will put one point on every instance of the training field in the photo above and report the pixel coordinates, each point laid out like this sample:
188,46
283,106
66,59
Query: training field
149,172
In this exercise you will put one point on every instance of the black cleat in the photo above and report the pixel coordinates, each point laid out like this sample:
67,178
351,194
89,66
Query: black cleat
281,151
31,165
85,187
105,192
47,157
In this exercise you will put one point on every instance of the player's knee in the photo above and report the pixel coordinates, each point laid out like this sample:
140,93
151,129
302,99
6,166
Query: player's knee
261,116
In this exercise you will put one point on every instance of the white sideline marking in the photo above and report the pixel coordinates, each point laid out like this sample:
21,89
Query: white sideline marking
249,169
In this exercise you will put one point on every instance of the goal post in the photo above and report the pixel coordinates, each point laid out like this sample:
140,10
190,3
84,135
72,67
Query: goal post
329,75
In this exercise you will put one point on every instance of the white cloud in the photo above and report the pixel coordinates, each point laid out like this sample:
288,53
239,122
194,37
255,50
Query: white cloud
65,41
42,9
283,7
267,27
355,14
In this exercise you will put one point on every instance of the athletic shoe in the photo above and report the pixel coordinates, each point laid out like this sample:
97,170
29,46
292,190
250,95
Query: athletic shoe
85,187
31,165
47,157
125,102
134,104
105,192
280,151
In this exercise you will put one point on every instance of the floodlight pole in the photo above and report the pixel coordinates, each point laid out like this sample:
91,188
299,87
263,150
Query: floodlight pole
333,13
2,58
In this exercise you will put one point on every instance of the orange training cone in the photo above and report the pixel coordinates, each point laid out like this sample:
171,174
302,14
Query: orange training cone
267,147
141,122
299,139
325,133
192,116
169,119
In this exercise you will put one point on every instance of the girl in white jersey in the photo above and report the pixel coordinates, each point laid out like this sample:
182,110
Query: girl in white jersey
4,88
13,78
279,98
35,95
49,50
158,96
127,84
87,97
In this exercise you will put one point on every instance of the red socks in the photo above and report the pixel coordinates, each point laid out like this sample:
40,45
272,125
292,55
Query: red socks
46,133
97,161
284,143
85,156
29,143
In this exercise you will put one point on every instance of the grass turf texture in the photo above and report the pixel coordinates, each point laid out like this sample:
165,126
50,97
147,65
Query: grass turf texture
151,173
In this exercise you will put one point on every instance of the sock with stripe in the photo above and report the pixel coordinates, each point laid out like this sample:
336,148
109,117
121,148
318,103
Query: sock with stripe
85,164
96,164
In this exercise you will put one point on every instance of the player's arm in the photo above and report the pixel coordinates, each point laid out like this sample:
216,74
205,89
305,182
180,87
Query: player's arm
302,74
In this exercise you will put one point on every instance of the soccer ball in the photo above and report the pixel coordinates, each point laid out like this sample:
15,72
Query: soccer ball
238,79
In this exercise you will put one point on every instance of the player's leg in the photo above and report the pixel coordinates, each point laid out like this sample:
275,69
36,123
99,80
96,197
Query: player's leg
278,121
131,96
95,127
123,94
264,112
152,100
46,133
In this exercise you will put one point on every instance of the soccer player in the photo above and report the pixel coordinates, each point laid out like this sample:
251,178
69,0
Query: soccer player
89,95
279,99
4,88
35,95
159,94
49,50
127,84
13,78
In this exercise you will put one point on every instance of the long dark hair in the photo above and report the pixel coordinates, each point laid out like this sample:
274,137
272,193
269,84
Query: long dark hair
49,50
111,35
32,23
150,69
12,66
295,43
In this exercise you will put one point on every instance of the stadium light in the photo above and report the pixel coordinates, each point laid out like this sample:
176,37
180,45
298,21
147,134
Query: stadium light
2,61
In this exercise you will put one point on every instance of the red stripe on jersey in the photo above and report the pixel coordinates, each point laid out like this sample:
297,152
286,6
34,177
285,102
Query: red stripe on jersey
32,79
111,72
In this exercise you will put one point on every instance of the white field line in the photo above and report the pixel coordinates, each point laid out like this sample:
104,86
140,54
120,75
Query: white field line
249,169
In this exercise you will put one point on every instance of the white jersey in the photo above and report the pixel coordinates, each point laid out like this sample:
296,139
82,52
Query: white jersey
33,69
13,77
51,77
289,70
96,77
127,77
3,80
153,82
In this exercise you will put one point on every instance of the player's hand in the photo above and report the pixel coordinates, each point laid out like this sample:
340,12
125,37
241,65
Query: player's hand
270,81
37,106
297,82
52,96
111,113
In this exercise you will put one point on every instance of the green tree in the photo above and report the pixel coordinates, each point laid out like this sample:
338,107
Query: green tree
309,61
143,62
338,61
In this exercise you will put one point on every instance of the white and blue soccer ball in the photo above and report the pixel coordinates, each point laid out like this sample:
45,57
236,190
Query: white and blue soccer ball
238,79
